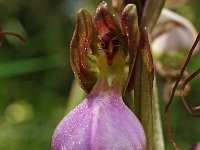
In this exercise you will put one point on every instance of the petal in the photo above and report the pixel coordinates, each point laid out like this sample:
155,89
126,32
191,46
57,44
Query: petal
101,122
131,30
104,22
80,51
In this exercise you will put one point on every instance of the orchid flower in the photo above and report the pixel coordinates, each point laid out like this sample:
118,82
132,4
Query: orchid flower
102,120
110,56
180,33
176,30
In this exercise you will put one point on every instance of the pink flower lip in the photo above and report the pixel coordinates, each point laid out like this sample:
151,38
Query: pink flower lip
101,122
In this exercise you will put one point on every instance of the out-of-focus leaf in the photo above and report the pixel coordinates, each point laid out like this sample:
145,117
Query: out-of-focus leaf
143,89
151,12
16,27
117,4
1,37
74,99
22,67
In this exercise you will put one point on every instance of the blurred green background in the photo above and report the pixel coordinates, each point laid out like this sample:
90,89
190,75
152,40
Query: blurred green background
36,78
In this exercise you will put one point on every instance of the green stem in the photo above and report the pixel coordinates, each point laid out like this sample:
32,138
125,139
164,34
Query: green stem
157,125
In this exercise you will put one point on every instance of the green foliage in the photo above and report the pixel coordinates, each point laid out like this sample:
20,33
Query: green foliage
36,78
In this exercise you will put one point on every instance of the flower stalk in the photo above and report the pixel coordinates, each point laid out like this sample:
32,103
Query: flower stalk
143,85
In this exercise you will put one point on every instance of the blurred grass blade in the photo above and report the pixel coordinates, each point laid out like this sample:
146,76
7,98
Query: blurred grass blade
76,95
14,26
151,12
1,37
21,67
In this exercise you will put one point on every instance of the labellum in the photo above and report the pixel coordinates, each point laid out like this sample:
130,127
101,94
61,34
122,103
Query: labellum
103,55
101,121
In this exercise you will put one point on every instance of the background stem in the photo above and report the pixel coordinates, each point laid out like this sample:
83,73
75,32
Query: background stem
157,124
